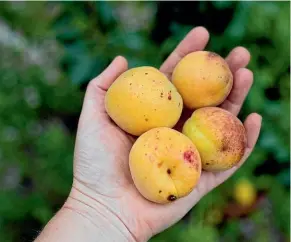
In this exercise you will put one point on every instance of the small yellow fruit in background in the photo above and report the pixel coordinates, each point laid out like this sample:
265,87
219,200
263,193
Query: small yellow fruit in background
164,164
219,136
214,216
203,79
143,98
245,193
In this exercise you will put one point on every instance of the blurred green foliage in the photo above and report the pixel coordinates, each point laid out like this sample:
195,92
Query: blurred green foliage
54,49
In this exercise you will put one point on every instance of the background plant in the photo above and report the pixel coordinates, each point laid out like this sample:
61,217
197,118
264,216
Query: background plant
51,50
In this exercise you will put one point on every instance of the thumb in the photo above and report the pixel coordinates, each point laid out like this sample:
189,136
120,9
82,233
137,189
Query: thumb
94,98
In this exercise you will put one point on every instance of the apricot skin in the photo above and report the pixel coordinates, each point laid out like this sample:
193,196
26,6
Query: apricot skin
219,136
245,193
164,164
143,98
203,79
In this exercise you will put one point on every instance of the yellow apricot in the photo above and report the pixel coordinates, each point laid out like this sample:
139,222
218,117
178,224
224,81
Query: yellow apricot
143,98
164,164
245,193
214,216
219,136
203,79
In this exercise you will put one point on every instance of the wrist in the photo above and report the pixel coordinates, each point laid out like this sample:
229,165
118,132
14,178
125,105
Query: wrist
107,225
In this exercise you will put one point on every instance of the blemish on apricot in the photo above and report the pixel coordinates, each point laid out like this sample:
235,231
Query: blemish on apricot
151,159
189,156
196,166
212,55
160,191
225,145
172,198
227,79
169,171
160,164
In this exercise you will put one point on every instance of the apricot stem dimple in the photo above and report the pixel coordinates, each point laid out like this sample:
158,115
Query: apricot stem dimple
224,147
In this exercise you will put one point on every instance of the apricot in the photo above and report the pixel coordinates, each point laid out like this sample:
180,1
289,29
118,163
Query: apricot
219,136
143,98
245,193
164,164
203,79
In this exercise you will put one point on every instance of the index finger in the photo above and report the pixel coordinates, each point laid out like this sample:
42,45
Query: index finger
195,40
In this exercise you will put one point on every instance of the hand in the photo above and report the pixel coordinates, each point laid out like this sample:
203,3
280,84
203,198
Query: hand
102,182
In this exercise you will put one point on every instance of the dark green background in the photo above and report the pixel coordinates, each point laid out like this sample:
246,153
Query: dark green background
49,52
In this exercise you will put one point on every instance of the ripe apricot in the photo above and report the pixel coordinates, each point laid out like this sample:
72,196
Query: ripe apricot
165,165
203,79
244,192
143,98
219,136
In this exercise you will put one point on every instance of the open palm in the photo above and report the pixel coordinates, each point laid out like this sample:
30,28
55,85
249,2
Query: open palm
101,170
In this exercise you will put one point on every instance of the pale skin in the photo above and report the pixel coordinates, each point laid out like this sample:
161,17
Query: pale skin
103,204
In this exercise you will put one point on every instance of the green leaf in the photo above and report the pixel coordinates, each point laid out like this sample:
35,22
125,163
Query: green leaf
131,40
105,12
69,33
12,206
200,233
222,4
284,177
80,71
42,214
231,231
76,49
171,234
237,28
